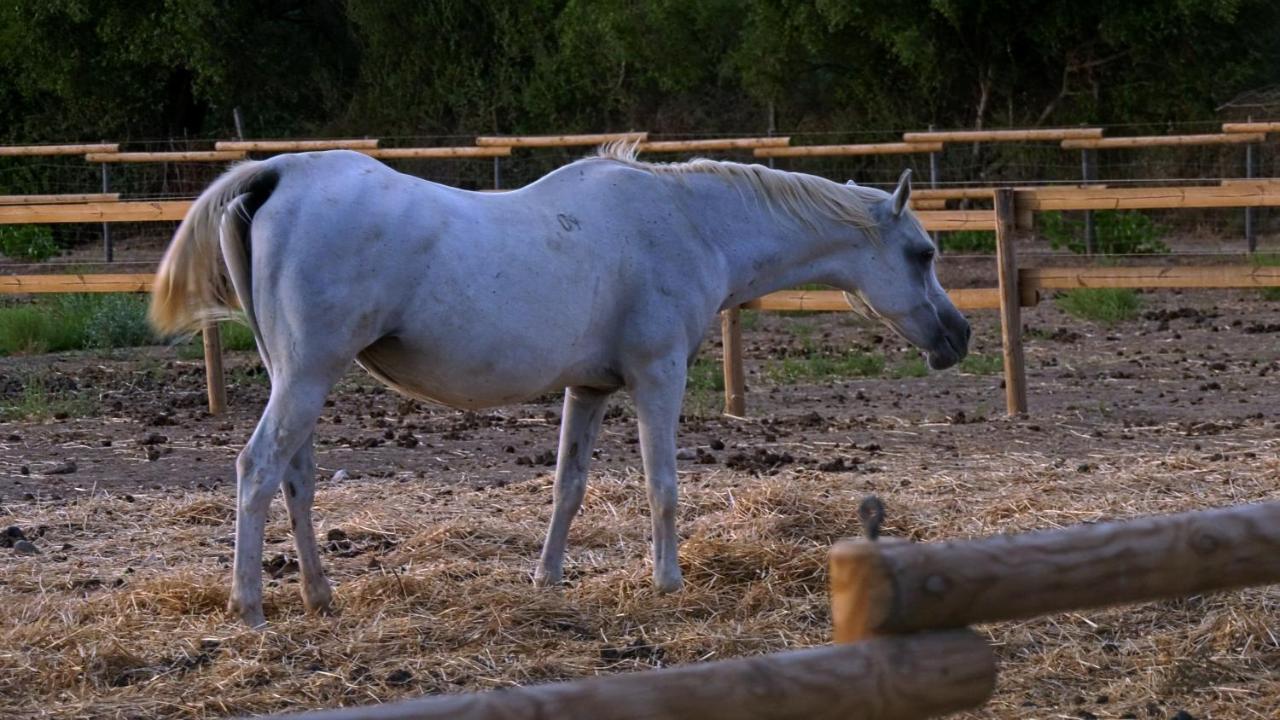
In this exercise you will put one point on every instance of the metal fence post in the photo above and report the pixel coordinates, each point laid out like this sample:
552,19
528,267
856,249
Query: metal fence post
108,251
497,174
1250,237
933,185
1088,172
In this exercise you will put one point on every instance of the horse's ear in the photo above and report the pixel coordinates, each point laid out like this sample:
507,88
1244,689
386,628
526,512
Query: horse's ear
903,193
851,183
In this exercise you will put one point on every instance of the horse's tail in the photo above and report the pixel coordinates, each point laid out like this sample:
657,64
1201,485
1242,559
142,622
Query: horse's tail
191,286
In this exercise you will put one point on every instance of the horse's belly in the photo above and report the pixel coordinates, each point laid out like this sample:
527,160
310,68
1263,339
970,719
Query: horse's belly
455,378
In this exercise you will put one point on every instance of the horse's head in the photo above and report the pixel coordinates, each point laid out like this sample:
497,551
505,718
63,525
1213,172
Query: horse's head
894,280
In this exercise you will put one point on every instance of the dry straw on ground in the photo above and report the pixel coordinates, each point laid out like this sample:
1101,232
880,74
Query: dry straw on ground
121,615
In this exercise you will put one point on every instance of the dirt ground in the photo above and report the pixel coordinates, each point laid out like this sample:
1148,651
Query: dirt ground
433,524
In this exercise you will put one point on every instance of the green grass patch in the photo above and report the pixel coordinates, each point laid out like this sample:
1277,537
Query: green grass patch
912,368
976,364
55,323
853,363
1105,306
1271,294
36,401
234,335
704,388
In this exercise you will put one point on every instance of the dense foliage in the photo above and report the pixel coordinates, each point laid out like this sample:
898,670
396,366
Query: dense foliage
92,69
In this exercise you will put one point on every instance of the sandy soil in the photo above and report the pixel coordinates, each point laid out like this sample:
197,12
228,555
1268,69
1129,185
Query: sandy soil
438,516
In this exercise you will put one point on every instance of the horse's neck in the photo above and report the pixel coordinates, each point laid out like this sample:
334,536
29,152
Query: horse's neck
764,250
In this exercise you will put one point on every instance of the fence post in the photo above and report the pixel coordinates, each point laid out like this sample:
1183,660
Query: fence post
497,174
214,376
1250,238
1088,173
1015,374
933,185
735,391
108,251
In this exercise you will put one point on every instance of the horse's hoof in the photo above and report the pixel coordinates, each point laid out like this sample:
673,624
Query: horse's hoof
319,602
665,583
253,617
547,579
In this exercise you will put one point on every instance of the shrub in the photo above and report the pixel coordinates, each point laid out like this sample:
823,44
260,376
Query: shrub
1115,233
969,241
31,243
1106,306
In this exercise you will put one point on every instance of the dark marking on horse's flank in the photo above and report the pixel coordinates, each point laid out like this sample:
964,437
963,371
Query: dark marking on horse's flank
293,491
568,222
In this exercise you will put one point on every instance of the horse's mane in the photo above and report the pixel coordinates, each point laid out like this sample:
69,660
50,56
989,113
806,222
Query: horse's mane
798,194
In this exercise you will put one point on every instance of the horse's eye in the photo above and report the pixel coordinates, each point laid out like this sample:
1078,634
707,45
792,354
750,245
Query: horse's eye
927,255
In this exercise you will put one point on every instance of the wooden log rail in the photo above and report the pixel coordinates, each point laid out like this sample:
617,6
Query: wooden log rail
62,198
661,146
51,150
279,146
898,148
890,587
1161,141
528,141
186,156
901,678
1030,135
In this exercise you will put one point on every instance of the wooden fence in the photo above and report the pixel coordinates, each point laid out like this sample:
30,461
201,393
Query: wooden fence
1022,287
901,613
1016,287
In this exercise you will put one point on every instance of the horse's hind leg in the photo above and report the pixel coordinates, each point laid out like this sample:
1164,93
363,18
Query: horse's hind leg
285,426
583,412
299,491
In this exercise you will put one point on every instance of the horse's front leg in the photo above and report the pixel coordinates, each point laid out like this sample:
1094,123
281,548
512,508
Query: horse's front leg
658,394
583,413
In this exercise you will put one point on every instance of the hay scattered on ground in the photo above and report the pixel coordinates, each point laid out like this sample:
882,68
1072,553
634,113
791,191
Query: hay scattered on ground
121,615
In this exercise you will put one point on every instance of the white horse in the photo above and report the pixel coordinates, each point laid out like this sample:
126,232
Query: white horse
603,274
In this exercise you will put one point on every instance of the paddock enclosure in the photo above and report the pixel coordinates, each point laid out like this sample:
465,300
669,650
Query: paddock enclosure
117,475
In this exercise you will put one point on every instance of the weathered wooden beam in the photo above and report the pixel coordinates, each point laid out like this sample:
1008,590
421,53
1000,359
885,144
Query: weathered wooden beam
1002,135
1015,372
296,145
108,283
895,148
1251,127
559,140
192,156
124,211
1148,198
834,300
903,678
951,220
928,203
423,153
1161,141
735,383
215,378
929,586
658,146
1158,276
58,199
46,150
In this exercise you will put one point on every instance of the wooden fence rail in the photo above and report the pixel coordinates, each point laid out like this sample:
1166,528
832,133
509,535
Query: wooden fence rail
887,588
